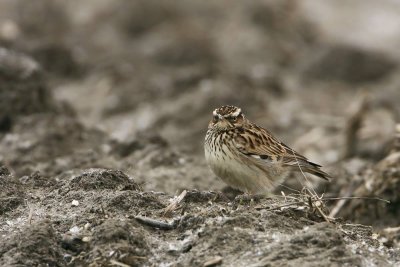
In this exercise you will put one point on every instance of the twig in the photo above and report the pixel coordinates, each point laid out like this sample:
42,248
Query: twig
115,262
156,223
315,201
213,262
311,192
289,188
366,198
285,205
326,218
174,204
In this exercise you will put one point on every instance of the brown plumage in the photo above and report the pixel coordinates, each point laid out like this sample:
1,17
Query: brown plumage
249,157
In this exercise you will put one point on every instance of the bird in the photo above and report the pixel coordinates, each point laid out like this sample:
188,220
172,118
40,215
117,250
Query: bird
248,157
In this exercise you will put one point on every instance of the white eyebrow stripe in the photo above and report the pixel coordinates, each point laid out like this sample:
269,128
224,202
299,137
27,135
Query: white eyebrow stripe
237,112
215,112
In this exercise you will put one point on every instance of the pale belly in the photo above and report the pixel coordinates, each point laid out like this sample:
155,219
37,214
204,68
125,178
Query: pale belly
237,174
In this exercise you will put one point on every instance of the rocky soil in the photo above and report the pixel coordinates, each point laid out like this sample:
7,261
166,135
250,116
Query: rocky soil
104,107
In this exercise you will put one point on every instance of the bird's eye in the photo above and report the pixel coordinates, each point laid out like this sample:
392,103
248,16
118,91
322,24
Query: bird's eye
233,119
215,119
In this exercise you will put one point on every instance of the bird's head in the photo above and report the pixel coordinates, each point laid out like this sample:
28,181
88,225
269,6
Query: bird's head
227,117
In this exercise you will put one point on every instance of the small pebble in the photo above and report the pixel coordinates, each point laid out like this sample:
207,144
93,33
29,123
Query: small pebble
86,239
74,230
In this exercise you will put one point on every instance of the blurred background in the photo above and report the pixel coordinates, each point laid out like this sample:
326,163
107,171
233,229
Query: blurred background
133,85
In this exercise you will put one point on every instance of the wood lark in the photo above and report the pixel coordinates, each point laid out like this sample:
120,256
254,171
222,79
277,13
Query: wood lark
248,157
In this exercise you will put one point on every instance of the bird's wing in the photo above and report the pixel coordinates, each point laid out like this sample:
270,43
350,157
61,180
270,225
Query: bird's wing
258,142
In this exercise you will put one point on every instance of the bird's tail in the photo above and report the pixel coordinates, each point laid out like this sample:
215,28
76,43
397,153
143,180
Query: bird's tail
318,172
312,168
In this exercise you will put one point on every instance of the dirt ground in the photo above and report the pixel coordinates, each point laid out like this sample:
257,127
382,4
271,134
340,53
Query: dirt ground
103,110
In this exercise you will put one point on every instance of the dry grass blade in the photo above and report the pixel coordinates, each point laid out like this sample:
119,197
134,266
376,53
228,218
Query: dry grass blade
285,205
174,204
314,200
318,205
